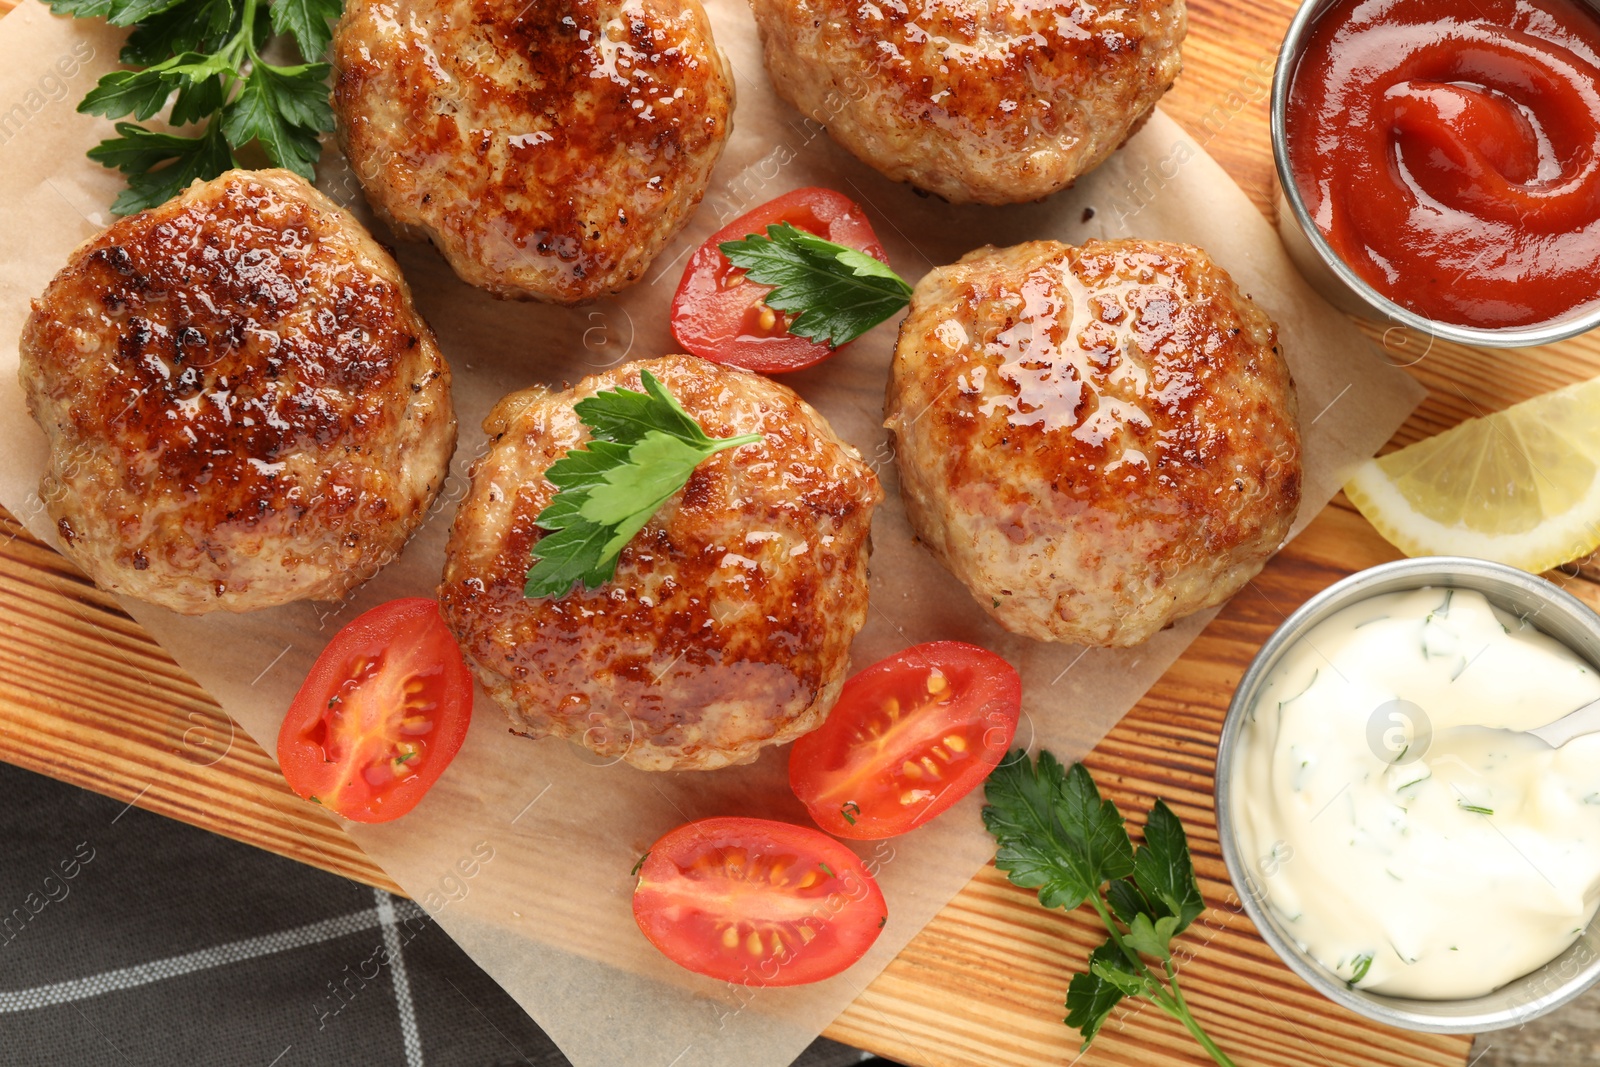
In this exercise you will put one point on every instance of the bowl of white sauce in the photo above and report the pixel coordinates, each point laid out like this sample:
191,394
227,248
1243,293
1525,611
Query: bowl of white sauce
1394,830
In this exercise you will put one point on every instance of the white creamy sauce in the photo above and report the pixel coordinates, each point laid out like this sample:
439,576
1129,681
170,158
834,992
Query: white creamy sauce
1434,867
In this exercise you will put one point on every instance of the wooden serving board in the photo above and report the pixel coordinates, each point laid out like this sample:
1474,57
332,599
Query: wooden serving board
86,696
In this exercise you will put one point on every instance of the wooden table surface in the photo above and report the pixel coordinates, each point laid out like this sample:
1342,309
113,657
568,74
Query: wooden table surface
86,696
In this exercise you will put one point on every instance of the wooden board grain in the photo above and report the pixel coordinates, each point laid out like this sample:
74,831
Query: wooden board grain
87,697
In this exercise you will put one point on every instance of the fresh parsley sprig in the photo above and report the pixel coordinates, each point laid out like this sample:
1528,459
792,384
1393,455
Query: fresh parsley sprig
1057,835
644,447
835,293
204,56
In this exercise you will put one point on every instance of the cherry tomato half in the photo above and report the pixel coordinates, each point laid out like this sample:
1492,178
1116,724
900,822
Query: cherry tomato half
909,737
720,315
381,715
757,902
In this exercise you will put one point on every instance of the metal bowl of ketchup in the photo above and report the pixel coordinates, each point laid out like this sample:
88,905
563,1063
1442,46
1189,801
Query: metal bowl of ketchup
1438,163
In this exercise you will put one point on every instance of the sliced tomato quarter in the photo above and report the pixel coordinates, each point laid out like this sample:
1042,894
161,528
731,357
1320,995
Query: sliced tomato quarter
381,715
910,736
757,902
721,315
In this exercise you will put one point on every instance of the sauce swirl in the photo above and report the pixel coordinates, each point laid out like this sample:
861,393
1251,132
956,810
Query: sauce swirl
1451,153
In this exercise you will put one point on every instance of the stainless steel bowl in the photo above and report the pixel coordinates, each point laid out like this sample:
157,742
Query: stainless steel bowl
1558,614
1338,283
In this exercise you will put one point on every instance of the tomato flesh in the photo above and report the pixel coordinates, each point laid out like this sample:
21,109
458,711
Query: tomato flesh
757,902
910,736
381,715
721,315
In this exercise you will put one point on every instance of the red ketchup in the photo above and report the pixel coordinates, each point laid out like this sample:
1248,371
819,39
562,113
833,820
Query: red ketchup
1450,153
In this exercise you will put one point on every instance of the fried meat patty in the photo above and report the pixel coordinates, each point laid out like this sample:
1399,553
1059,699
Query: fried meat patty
549,148
242,406
993,103
1096,441
728,624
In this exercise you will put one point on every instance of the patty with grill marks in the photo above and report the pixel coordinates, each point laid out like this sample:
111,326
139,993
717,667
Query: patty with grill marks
989,103
727,626
1096,441
242,406
549,148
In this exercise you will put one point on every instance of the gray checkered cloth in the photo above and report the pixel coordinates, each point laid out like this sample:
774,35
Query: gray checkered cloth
129,939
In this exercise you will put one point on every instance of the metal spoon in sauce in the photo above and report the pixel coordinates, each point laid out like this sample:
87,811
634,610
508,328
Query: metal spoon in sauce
1586,720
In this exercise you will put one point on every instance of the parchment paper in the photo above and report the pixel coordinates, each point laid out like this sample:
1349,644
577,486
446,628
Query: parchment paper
522,852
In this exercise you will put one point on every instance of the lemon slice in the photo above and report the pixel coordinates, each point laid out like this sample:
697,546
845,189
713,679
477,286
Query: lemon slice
1521,486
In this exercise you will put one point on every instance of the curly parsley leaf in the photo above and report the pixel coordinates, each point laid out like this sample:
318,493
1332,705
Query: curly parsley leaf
197,100
140,93
1094,994
625,416
160,165
573,553
204,58
309,22
1164,872
835,293
133,12
116,12
1056,834
1109,965
200,26
1153,937
583,469
643,449
82,9
1126,901
285,109
631,492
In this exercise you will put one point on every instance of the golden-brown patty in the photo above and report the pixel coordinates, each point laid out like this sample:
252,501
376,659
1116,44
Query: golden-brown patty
1096,441
728,624
994,103
243,407
549,148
